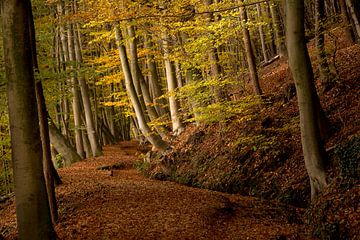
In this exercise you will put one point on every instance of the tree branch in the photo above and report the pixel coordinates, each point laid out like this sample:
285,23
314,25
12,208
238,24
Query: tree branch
193,13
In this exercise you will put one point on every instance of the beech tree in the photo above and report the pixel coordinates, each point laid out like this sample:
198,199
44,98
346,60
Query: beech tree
302,72
152,137
324,68
249,52
32,206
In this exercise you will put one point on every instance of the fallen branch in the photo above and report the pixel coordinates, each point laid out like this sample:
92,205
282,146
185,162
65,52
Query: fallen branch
264,64
116,166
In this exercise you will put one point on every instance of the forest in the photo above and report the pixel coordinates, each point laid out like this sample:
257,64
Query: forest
192,119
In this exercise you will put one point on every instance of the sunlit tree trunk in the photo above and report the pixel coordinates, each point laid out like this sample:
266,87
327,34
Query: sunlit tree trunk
261,33
62,145
301,69
153,115
278,29
76,94
177,126
154,80
32,206
84,88
215,67
249,52
190,76
153,138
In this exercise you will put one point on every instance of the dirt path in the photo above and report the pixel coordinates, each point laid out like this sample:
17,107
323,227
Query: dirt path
95,204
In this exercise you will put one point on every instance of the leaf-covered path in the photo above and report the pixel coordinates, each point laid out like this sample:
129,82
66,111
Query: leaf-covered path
98,204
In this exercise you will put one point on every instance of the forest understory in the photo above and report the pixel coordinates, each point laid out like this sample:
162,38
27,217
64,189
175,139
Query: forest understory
263,158
257,163
122,204
194,119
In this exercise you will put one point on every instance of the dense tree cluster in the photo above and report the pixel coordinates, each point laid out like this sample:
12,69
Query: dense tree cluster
105,71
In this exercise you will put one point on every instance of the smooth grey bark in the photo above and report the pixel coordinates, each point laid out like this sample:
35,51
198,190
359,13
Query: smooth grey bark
215,67
346,22
154,80
62,31
139,77
190,77
249,52
76,95
261,33
62,145
278,29
270,29
177,126
84,89
152,137
354,17
323,65
301,69
32,206
179,77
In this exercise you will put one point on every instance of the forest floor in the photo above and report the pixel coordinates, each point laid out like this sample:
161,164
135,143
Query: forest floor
122,204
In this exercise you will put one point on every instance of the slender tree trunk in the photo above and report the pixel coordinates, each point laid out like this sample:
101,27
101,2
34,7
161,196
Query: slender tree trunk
47,162
272,40
324,69
179,77
89,118
346,22
63,40
215,67
261,33
354,17
32,206
44,128
190,77
177,126
153,138
279,30
139,77
62,145
154,81
301,69
76,95
249,53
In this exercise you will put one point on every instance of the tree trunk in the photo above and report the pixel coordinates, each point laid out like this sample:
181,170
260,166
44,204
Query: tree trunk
324,69
89,119
354,17
62,145
301,69
76,95
249,52
261,33
346,22
279,30
195,104
177,126
44,128
139,77
154,81
214,62
32,206
153,138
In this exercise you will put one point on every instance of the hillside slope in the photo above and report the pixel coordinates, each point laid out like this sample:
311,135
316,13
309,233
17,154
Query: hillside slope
262,157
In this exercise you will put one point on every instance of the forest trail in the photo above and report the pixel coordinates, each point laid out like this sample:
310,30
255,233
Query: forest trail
98,204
